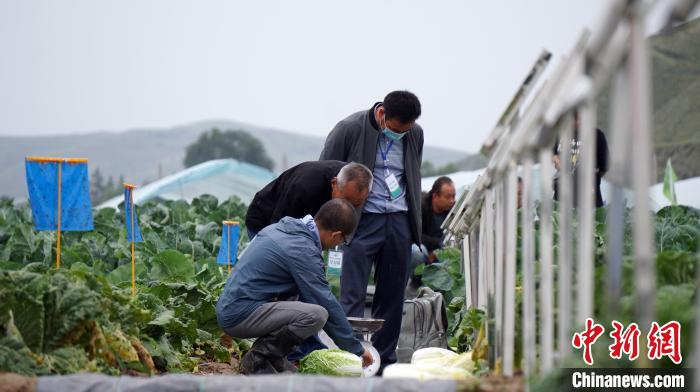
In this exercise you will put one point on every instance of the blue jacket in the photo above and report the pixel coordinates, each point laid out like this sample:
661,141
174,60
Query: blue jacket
284,259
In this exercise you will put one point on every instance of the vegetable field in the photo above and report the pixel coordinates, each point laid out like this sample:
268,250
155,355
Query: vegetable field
677,239
83,317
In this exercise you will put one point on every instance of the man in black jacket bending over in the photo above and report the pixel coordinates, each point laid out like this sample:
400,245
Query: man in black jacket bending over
303,189
386,139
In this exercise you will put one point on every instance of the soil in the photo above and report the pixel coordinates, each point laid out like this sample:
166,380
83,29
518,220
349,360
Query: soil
493,383
215,368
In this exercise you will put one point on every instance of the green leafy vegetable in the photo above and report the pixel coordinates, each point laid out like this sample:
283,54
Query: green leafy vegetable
331,362
83,317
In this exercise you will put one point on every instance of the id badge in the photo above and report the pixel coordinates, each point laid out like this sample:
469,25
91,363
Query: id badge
393,184
335,262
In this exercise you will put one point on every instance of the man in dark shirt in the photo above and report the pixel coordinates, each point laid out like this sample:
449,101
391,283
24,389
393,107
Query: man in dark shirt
386,139
436,204
303,189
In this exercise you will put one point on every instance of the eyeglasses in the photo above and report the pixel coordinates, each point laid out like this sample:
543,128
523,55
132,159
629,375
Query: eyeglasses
345,241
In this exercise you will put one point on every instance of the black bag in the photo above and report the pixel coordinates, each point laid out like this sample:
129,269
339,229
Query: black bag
423,324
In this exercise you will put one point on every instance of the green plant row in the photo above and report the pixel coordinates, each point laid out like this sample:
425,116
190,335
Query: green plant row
83,316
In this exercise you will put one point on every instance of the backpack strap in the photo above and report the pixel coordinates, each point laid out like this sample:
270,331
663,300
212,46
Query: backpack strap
438,317
441,315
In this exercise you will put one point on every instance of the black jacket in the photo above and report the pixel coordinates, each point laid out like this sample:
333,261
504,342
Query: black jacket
299,191
432,234
354,139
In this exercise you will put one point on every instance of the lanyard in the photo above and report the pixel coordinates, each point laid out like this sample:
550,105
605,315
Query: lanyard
385,153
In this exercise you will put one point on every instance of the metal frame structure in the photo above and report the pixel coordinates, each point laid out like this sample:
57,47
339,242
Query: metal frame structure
486,215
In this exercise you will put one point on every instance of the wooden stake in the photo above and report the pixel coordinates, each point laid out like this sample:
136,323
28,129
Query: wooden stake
228,248
133,239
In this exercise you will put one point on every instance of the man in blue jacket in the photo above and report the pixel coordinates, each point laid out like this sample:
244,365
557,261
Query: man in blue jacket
282,262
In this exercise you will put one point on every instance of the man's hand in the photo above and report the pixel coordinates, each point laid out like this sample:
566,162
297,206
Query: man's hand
366,358
557,161
431,257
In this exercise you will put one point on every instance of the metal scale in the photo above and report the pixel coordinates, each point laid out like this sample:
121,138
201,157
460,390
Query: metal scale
366,327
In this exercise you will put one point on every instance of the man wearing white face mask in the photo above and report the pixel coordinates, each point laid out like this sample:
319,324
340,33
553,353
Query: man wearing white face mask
387,140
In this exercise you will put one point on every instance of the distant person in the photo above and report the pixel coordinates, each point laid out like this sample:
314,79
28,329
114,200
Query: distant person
386,139
285,261
436,204
304,188
601,163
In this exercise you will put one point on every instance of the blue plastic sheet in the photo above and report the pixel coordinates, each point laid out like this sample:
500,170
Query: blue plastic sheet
127,212
42,183
225,251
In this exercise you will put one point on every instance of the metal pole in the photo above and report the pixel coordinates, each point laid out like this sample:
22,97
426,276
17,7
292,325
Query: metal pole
467,271
499,266
515,103
133,242
564,257
483,281
58,217
640,113
546,272
528,260
617,178
586,212
474,262
476,271
491,278
509,284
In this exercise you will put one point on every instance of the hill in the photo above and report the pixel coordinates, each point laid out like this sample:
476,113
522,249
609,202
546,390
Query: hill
675,62
143,155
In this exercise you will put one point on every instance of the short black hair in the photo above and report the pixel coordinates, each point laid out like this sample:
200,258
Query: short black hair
337,215
403,105
437,185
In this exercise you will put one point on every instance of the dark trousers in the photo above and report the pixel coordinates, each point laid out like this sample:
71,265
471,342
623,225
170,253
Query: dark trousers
382,240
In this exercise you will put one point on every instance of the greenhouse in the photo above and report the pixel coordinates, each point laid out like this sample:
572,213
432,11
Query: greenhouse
222,178
529,292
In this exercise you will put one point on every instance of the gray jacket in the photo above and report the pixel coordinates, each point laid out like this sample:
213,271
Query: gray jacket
354,139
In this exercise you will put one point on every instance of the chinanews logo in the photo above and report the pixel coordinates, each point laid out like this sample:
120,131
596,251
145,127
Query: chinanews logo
662,341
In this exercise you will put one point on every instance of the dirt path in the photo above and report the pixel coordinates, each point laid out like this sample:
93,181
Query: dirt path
215,368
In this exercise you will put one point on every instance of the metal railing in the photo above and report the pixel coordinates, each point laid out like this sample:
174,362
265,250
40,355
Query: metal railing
485,217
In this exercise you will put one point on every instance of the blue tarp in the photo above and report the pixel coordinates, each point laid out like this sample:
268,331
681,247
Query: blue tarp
42,183
127,220
234,231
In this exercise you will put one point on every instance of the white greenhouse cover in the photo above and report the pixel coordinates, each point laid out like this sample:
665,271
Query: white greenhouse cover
221,178
687,191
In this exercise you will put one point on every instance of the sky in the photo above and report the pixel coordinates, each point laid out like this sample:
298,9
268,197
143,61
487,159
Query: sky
89,65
